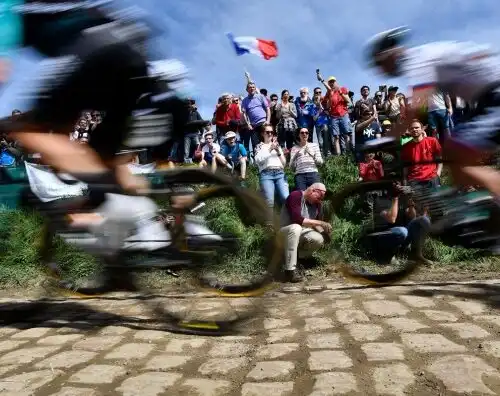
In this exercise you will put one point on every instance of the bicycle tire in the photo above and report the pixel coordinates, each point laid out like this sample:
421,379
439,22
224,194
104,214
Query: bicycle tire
253,205
256,208
349,271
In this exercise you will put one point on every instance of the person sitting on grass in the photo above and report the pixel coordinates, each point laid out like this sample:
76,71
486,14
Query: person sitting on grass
392,230
235,154
211,154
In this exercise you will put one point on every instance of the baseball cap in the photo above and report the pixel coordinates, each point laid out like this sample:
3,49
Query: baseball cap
229,135
392,88
386,122
332,78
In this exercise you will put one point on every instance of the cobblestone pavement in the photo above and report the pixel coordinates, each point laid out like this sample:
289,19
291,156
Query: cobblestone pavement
416,339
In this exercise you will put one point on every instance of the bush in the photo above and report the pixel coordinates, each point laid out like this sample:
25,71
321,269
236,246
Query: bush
20,236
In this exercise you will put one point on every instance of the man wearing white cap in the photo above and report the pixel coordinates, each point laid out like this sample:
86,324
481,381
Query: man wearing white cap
235,153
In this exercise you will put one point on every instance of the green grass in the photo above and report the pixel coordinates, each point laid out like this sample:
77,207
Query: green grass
20,236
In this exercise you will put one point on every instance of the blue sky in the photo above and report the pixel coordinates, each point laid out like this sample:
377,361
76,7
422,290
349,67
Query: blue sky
310,34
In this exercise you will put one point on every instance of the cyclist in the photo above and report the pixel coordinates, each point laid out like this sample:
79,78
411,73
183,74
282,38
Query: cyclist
462,69
95,58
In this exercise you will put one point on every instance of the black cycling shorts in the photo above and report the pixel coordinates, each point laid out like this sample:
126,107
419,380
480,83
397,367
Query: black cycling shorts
97,72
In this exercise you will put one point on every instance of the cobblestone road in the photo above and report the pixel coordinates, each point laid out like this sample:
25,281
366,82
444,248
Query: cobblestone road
427,339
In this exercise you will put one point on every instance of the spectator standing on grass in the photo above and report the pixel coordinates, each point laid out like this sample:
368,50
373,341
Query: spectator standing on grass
227,116
263,92
421,148
394,105
192,138
304,106
286,114
365,103
272,108
303,227
336,102
350,107
305,157
379,102
256,112
271,161
439,113
235,154
321,123
367,128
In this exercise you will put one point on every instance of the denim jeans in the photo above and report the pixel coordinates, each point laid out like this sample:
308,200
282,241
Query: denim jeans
191,141
272,180
324,139
304,180
384,245
440,122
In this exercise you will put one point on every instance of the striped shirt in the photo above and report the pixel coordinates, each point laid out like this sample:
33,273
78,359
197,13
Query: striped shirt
302,161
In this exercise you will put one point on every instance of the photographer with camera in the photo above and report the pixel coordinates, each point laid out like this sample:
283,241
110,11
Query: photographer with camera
394,228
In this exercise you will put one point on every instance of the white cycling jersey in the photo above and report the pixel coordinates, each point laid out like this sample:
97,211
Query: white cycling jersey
463,69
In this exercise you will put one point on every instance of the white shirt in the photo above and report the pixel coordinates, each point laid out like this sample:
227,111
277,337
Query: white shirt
207,149
436,101
267,159
463,69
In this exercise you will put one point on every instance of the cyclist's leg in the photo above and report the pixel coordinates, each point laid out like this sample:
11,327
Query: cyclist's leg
471,141
102,79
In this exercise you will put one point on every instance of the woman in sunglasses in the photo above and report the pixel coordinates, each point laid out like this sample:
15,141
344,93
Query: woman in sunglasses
271,162
305,157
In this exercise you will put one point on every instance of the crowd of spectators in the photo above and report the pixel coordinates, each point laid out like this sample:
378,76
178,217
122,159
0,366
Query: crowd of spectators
85,125
280,130
273,132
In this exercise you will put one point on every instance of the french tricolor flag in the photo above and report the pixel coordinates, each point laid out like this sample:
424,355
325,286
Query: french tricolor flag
266,49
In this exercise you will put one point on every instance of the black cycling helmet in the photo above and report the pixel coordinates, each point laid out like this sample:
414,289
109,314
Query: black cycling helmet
385,41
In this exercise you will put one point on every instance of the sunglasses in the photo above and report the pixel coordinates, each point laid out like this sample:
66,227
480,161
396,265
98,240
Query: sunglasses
317,93
304,133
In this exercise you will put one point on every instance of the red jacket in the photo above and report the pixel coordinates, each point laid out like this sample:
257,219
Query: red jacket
371,170
225,114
